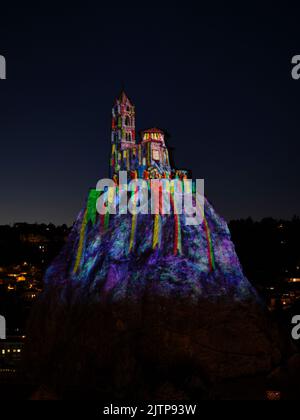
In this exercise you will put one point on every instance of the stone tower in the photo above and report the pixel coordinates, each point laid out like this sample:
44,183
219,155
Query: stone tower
123,122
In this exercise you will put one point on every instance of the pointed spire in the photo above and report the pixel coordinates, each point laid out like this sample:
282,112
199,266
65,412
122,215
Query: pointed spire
123,97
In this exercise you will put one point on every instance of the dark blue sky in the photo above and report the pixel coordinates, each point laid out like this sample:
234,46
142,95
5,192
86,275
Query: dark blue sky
219,82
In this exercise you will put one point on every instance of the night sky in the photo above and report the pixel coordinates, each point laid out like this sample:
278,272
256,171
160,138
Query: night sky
219,81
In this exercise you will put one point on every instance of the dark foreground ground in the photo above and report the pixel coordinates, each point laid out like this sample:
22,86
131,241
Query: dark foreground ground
256,388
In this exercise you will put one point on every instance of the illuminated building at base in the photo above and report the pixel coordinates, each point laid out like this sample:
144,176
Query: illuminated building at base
146,157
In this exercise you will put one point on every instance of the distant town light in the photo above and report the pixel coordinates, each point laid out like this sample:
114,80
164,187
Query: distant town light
294,280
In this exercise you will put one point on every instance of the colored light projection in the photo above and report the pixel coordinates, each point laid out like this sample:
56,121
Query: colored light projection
90,215
124,254
149,289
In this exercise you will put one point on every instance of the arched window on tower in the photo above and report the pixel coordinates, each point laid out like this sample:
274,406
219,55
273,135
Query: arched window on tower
128,137
127,121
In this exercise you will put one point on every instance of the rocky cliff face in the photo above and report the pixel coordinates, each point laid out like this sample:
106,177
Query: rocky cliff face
148,307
